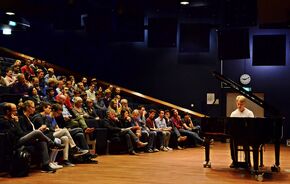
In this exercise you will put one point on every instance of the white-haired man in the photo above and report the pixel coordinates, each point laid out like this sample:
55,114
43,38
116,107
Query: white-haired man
240,112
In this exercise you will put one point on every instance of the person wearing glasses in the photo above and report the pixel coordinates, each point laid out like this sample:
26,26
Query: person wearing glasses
10,123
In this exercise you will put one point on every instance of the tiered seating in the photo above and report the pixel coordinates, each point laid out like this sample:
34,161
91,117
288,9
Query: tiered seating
96,134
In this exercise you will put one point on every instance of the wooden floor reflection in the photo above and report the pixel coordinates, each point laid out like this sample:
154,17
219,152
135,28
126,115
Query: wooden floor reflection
177,166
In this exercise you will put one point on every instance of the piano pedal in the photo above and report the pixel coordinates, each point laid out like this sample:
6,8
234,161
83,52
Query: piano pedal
259,177
207,164
275,168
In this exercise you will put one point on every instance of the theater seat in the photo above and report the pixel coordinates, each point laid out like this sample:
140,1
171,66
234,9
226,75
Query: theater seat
92,143
116,145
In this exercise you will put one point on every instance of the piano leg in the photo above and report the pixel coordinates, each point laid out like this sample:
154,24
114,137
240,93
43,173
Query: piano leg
276,166
261,156
234,153
258,176
256,158
247,155
207,162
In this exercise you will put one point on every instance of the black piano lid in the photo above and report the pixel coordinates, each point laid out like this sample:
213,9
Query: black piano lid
237,87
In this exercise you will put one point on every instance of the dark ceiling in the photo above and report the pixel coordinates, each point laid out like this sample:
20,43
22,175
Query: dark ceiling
54,11
67,13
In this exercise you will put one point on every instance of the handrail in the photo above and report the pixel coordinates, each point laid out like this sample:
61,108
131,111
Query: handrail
18,55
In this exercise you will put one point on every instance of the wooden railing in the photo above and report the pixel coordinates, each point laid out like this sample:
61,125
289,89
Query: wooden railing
59,69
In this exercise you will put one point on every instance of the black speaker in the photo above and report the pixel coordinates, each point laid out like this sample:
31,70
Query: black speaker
274,14
269,50
194,37
128,20
162,32
233,44
240,13
163,5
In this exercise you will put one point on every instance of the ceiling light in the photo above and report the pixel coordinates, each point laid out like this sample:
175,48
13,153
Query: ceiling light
184,2
11,23
199,4
10,13
7,31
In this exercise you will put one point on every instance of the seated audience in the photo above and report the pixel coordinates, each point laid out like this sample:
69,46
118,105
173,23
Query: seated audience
189,125
46,117
9,78
27,70
100,105
77,133
33,96
166,131
174,130
49,96
115,130
90,109
70,120
18,137
21,86
176,121
125,106
49,75
152,128
91,94
145,131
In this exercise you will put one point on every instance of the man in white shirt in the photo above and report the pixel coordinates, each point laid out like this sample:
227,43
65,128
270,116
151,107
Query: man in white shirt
240,112
91,94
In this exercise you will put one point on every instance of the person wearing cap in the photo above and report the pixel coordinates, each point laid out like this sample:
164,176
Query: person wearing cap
50,74
94,81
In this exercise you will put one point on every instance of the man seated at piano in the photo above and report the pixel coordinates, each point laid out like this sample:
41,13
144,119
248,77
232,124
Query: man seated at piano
240,112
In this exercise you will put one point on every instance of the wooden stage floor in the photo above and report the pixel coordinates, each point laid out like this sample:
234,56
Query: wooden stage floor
177,166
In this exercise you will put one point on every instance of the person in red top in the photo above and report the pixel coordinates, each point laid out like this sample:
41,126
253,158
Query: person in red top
176,121
150,120
27,70
150,123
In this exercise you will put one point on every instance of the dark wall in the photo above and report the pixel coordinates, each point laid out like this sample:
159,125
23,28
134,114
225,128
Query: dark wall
270,80
180,78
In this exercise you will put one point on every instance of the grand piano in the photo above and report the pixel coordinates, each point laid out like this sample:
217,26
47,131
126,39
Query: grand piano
250,132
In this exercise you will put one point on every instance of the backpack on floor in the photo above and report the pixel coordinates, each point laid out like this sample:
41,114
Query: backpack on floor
4,153
20,163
